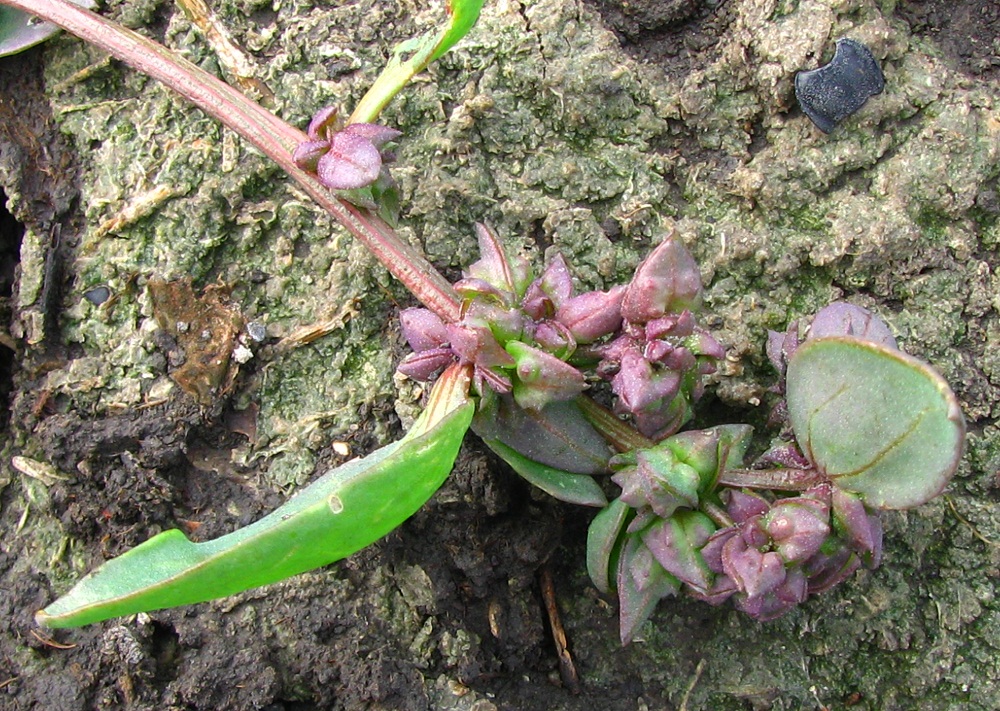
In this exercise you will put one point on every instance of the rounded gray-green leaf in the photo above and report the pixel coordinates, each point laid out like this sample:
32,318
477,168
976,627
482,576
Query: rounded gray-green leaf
876,421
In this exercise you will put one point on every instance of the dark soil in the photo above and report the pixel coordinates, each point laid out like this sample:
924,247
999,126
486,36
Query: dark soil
967,32
139,475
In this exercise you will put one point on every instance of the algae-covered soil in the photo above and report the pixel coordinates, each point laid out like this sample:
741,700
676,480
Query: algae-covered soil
143,247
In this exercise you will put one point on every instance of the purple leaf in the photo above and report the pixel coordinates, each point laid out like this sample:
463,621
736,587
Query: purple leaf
494,266
307,154
743,505
776,602
826,569
754,573
548,293
376,134
860,528
352,162
555,338
322,122
558,435
843,319
638,387
426,365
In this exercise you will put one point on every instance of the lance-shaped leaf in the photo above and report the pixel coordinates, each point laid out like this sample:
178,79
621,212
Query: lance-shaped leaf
642,582
667,281
342,512
557,435
876,421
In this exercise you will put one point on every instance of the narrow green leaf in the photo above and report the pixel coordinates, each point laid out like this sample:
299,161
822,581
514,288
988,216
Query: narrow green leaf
339,514
464,14
877,421
413,56
578,489
603,538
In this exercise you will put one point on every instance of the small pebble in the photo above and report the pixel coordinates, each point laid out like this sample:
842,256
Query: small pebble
98,295
833,92
257,331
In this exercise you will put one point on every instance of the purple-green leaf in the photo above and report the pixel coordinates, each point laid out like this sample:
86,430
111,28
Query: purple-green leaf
876,421
557,435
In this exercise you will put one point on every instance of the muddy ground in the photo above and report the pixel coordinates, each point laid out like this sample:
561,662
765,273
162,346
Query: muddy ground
587,126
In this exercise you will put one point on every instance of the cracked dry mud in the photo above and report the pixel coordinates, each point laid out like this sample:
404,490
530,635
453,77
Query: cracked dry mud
577,125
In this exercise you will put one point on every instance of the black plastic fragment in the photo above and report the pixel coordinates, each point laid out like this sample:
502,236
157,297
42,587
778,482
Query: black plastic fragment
833,92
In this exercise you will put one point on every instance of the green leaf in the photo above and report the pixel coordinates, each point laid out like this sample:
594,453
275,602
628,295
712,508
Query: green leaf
578,489
603,544
342,512
463,14
413,56
876,421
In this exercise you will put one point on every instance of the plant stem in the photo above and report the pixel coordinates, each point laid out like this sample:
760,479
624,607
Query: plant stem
719,516
772,479
275,138
619,435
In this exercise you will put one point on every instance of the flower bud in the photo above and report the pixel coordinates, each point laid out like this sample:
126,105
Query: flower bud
422,329
592,315
798,526
542,378
667,281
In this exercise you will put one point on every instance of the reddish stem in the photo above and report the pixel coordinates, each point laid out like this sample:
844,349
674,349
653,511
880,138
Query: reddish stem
270,134
620,435
773,479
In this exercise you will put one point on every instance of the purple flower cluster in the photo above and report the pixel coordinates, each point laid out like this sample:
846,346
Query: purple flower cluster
344,157
778,553
518,333
528,336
